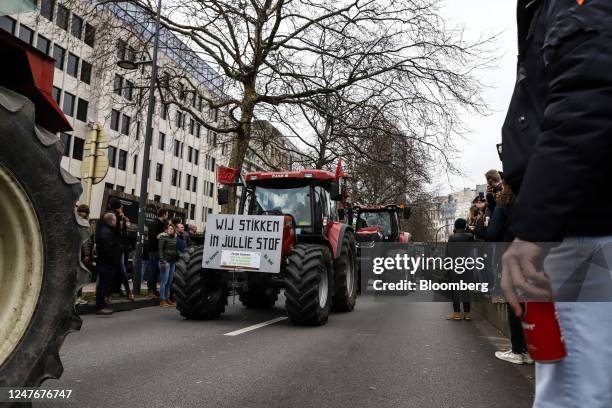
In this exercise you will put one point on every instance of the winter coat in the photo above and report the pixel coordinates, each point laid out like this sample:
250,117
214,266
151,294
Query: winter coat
557,136
156,228
182,242
168,248
108,247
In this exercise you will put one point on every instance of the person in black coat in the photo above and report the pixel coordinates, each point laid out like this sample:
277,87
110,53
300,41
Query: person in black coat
108,249
155,230
557,141
460,235
120,230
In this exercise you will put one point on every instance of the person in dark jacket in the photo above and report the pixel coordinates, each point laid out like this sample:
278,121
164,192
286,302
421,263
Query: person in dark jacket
460,235
108,250
155,230
121,232
182,237
168,255
557,140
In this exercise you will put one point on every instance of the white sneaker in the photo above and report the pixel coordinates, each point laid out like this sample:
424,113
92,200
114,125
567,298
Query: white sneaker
510,357
527,359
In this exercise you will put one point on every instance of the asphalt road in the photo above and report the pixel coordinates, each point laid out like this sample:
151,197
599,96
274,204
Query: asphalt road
387,353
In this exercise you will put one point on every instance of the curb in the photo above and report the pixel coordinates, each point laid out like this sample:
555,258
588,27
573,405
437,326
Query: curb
118,306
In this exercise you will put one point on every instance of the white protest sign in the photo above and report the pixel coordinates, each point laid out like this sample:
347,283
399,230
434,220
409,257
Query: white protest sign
243,242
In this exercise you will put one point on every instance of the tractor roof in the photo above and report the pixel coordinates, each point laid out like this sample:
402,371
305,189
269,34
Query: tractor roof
297,175
376,208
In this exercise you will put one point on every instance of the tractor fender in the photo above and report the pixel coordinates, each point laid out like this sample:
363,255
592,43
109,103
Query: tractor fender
335,234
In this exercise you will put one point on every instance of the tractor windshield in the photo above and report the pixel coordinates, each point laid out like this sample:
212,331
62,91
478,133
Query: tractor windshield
379,219
293,201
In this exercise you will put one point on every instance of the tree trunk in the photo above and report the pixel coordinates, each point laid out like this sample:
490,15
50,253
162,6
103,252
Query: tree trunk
240,145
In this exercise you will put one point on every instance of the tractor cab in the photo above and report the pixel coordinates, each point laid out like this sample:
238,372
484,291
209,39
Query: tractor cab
379,224
309,197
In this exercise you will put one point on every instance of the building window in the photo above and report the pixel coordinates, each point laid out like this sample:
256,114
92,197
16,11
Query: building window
173,201
119,188
122,163
161,142
72,68
174,179
188,182
8,24
191,126
82,107
90,35
26,34
192,211
77,26
117,84
62,17
46,9
196,157
57,94
159,171
203,214
198,130
128,90
179,119
112,156
164,111
212,164
157,198
211,190
85,71
114,120
180,177
69,100
177,148
135,165
125,125
77,148
189,154
109,186
59,54
66,138
194,184
43,44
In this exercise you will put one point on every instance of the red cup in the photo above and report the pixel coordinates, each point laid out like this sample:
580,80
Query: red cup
543,333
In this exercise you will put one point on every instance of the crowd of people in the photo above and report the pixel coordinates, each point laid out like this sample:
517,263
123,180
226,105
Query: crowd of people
164,240
489,220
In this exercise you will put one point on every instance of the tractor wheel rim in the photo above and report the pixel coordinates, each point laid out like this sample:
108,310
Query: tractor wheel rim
323,287
21,262
350,277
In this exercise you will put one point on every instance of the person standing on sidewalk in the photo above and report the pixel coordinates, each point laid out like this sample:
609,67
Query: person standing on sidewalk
168,255
121,232
109,255
87,249
156,229
557,142
460,235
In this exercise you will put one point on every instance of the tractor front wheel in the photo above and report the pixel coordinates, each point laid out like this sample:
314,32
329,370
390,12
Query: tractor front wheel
200,294
308,280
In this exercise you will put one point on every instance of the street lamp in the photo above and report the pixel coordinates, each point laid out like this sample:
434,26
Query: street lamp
131,65
142,200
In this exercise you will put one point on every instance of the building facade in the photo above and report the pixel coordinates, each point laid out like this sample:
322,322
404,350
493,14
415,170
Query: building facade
446,209
90,87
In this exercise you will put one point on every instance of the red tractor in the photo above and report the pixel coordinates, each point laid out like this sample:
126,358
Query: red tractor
41,239
380,224
317,265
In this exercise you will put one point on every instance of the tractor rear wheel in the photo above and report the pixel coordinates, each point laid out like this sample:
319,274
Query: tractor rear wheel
308,280
39,248
200,294
345,275
259,297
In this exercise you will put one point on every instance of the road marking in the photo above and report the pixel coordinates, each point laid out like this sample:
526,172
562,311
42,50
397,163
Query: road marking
255,326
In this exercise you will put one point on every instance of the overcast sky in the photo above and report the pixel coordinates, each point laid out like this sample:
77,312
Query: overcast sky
478,154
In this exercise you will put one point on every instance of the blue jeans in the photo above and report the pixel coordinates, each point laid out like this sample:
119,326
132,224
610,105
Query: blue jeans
584,377
166,274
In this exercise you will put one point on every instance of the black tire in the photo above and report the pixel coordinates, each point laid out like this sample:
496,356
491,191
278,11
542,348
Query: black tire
200,294
31,155
306,267
258,297
345,290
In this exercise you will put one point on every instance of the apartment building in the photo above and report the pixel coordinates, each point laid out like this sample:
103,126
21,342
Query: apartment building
90,87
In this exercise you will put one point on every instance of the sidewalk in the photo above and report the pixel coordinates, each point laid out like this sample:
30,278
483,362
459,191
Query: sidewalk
118,303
